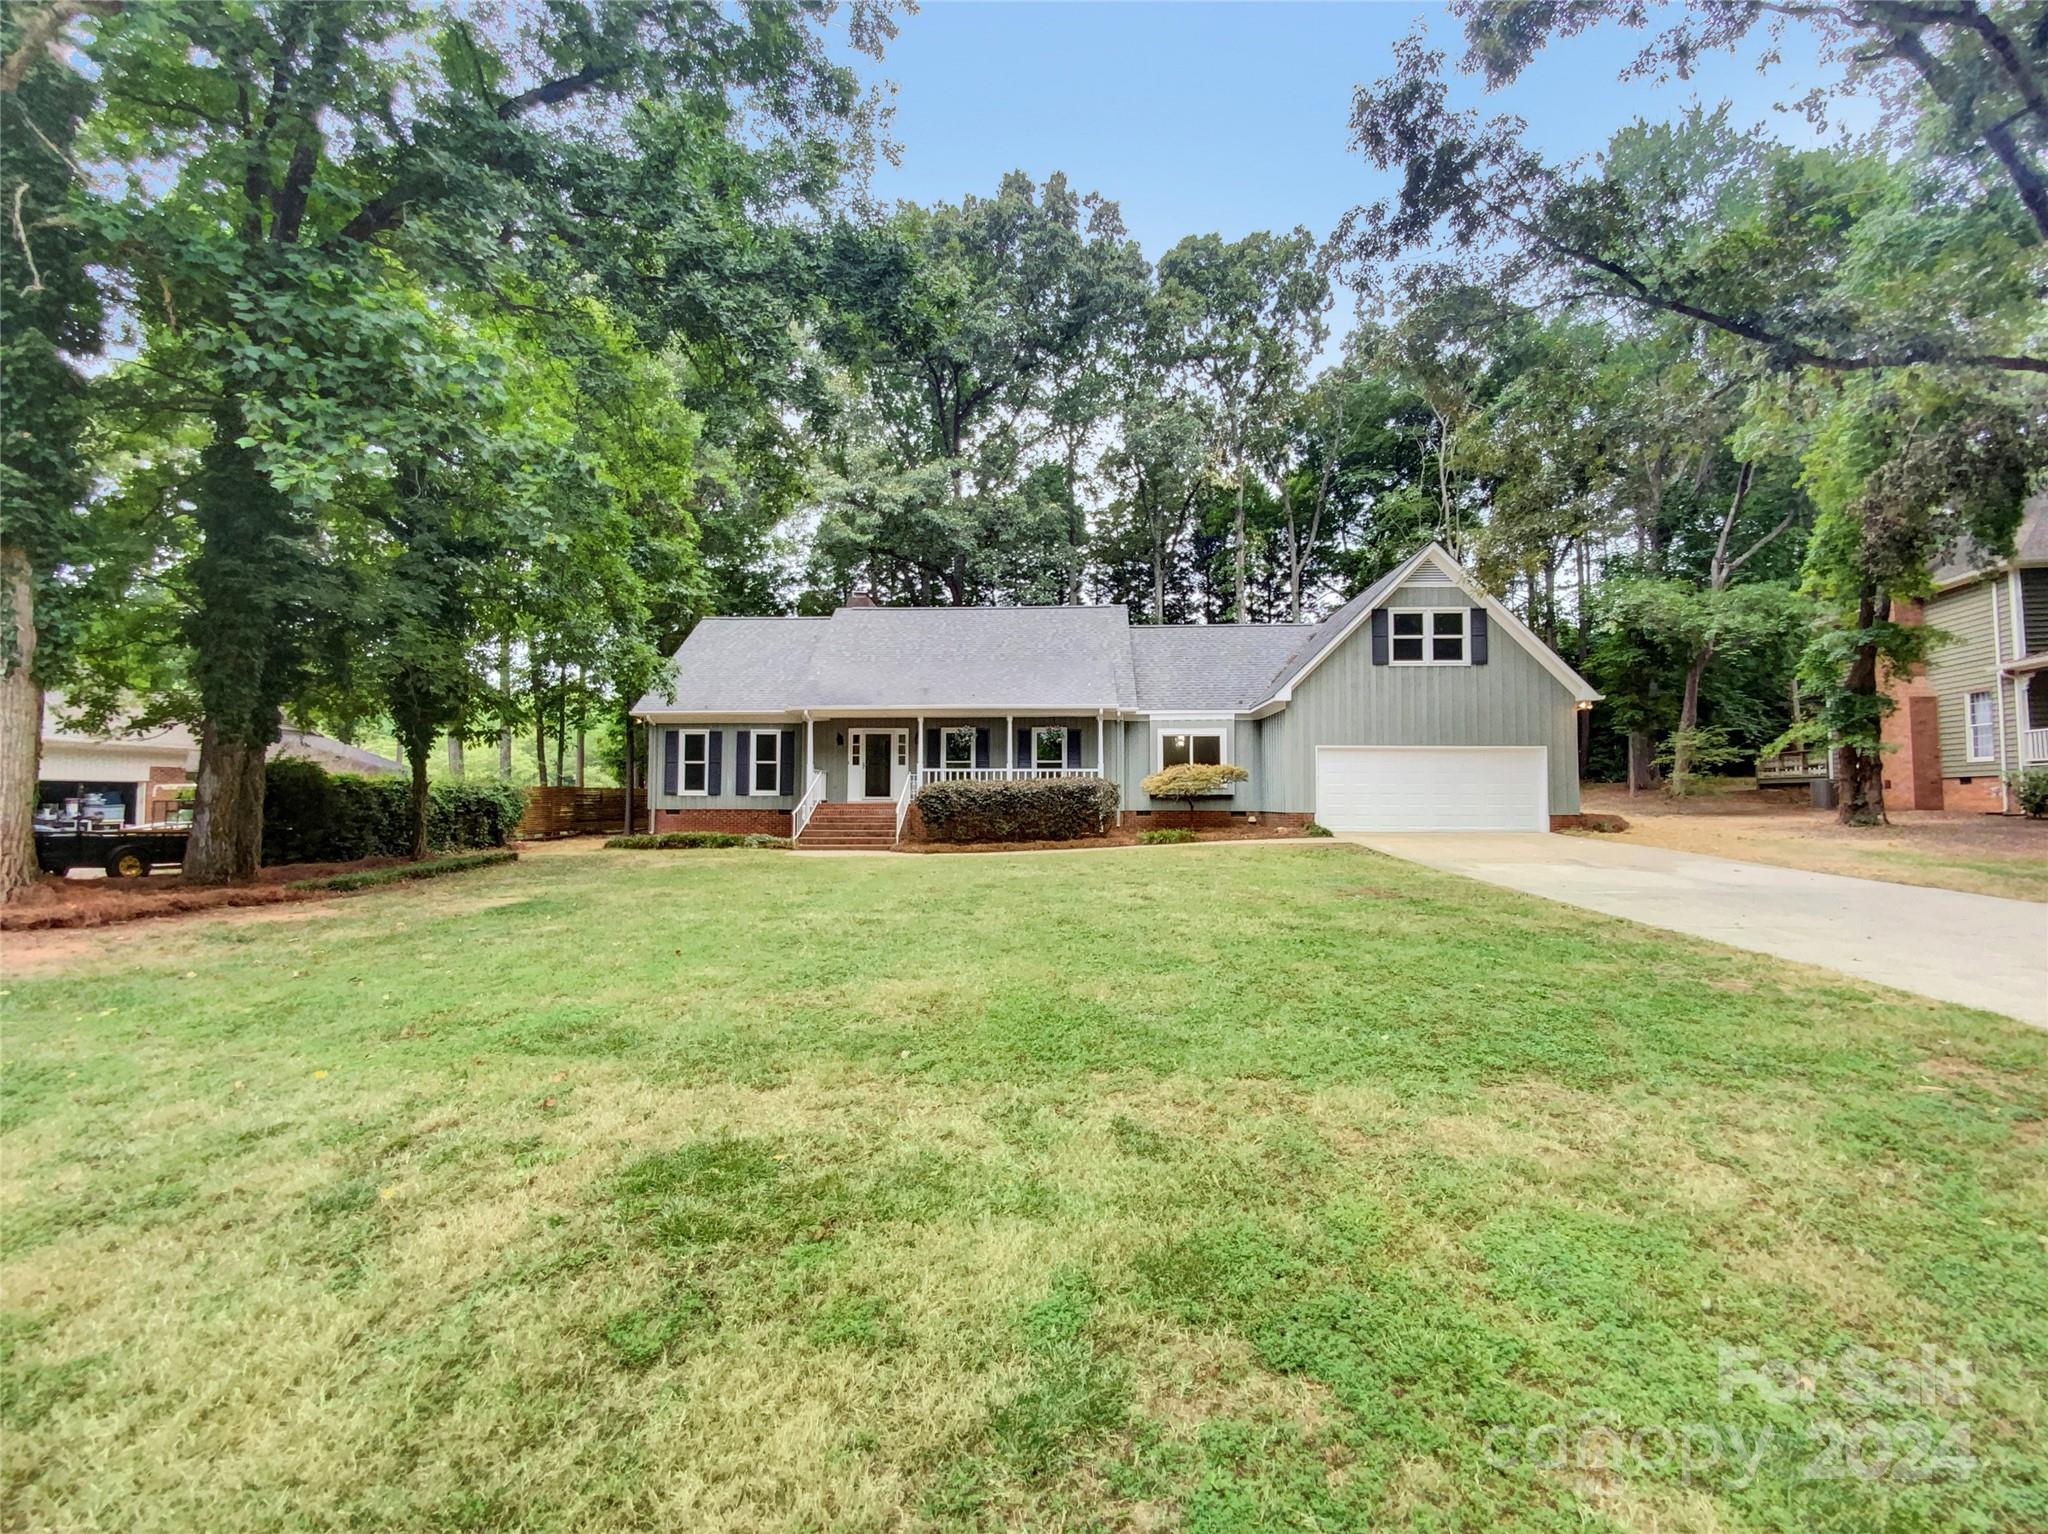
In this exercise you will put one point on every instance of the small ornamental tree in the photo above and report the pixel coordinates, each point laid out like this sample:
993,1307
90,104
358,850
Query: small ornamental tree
1191,781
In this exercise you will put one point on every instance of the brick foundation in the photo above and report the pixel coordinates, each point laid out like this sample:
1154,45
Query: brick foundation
738,822
1980,795
1214,820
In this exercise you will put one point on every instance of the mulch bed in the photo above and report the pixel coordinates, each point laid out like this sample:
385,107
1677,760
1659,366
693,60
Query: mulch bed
55,902
1125,835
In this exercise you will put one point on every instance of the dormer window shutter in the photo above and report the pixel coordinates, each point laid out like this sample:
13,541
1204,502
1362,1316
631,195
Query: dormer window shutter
1476,648
1379,636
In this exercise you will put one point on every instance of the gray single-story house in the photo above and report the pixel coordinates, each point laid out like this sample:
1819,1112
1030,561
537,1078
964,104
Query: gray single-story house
1421,704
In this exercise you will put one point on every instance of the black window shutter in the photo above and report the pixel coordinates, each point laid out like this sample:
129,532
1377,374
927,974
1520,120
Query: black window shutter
742,749
931,749
1379,636
714,757
1024,756
671,755
1477,648
788,769
1073,746
981,746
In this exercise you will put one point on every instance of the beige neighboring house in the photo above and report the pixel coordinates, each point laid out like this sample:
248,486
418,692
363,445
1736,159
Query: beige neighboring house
1976,714
134,777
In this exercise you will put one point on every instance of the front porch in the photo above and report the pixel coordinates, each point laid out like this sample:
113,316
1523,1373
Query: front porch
860,768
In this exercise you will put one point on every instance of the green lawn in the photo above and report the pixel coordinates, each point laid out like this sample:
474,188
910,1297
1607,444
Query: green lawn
1218,1188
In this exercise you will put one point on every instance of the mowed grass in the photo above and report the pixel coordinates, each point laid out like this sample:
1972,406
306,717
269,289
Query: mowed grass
1215,1188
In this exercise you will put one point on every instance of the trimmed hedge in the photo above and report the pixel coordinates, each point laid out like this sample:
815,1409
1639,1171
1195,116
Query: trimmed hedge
364,878
2030,789
1168,838
673,841
313,816
1316,828
1027,810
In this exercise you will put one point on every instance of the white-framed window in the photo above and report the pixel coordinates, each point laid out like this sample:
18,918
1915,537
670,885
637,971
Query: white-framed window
1179,747
695,777
1427,636
1049,746
957,746
1983,727
767,768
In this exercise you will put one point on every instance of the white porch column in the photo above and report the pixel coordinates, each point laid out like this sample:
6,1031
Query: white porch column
810,752
917,748
1010,742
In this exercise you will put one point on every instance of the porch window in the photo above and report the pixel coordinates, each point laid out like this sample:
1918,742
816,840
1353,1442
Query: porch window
1049,747
959,749
767,761
696,757
1983,731
1429,636
1177,748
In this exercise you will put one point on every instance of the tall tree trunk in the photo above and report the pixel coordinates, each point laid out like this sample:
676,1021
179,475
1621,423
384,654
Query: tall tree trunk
454,754
1158,578
418,758
580,780
1859,771
505,701
1642,762
1688,717
21,723
540,726
1244,611
225,845
561,727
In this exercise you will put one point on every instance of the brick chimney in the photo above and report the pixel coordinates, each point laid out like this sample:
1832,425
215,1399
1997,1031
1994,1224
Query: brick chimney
862,599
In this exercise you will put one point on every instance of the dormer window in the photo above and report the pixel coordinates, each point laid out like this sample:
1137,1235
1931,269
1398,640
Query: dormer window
1428,636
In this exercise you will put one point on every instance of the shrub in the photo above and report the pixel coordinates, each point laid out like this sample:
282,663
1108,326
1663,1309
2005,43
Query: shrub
1171,837
313,816
398,873
1027,810
2030,788
676,841
1314,828
1191,781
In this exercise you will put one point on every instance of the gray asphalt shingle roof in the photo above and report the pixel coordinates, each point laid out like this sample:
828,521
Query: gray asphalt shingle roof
2030,547
991,659
1212,665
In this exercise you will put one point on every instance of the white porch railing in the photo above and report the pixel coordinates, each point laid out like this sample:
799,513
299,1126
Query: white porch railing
1001,774
903,798
813,797
2034,746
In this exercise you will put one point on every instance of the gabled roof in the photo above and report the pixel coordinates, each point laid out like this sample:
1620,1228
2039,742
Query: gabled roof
2030,547
1023,659
1339,625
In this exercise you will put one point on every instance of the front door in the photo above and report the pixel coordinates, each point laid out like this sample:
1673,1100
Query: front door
877,758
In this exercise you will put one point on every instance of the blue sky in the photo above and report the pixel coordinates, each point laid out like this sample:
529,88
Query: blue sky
1233,116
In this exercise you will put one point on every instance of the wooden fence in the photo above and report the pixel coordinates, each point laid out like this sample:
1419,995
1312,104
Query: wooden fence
579,812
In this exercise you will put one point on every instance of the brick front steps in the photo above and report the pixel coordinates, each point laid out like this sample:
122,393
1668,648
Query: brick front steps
850,827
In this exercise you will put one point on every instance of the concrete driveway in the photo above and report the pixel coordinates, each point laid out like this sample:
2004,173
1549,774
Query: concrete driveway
1975,949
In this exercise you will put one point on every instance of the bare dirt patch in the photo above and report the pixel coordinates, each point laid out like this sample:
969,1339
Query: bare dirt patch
1980,854
54,902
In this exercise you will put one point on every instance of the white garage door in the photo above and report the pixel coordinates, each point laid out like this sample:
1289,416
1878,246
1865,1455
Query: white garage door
1390,788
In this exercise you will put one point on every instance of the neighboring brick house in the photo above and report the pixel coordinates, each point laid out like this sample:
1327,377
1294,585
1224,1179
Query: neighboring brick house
1421,704
1976,713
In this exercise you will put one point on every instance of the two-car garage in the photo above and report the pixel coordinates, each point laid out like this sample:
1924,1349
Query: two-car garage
1433,788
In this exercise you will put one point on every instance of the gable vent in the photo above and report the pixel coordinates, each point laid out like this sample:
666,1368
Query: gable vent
1429,575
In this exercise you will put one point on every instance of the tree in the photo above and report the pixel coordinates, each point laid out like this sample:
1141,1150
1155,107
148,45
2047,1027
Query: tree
49,306
1191,781
977,333
1244,318
330,162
